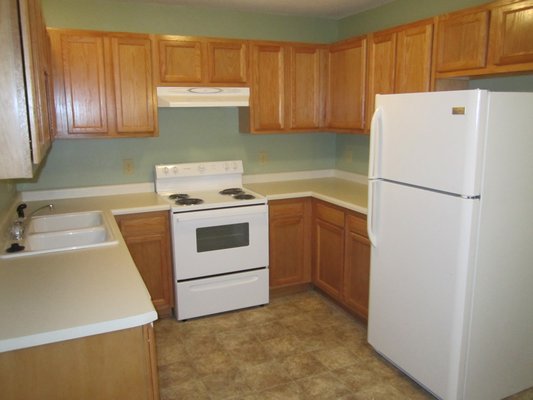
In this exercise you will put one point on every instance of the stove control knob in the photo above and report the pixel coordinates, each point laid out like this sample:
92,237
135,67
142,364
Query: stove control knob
175,170
201,168
165,170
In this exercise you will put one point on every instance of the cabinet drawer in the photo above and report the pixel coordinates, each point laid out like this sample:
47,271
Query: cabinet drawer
329,214
283,208
357,224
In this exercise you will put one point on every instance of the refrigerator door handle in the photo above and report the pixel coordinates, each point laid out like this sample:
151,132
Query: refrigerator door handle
375,142
370,214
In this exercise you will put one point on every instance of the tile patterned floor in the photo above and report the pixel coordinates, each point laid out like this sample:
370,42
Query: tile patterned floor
300,346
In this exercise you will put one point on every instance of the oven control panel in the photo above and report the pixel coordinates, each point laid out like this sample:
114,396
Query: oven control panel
198,169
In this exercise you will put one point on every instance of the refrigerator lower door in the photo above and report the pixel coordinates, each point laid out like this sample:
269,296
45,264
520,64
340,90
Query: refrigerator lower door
419,280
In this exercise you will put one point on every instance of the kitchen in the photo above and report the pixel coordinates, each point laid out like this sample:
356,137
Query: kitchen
212,134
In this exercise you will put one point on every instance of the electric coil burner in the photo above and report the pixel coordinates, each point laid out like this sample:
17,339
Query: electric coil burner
219,237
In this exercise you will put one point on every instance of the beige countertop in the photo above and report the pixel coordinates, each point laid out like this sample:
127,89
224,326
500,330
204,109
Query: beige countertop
342,192
66,295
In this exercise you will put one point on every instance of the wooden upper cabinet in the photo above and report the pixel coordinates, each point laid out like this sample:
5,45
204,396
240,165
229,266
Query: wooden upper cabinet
512,34
413,61
82,60
25,93
345,104
180,61
103,84
399,61
186,61
267,102
462,41
36,49
381,67
305,94
227,62
132,76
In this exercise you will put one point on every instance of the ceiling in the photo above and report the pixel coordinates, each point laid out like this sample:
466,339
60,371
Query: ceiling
333,9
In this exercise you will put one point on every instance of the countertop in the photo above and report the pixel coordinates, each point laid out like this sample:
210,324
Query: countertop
66,295
342,192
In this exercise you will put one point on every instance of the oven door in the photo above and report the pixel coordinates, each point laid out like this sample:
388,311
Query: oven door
213,242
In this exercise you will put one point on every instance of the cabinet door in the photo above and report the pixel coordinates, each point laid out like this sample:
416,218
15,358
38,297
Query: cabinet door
227,63
356,265
346,85
82,64
304,101
181,61
329,249
382,61
147,236
134,92
512,33
413,61
462,41
37,69
289,242
268,88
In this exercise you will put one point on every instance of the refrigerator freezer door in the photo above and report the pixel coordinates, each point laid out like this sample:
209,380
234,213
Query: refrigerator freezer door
432,140
418,282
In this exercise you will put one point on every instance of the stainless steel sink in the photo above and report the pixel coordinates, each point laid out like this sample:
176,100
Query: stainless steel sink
62,232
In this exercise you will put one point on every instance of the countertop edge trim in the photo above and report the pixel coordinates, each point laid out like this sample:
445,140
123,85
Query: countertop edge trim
77,332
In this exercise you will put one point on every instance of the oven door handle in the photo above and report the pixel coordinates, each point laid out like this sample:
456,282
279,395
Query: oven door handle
221,212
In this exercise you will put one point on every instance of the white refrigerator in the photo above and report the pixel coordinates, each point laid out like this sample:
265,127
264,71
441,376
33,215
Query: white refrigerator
450,219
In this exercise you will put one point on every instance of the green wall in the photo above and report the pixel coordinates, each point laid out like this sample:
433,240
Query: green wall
133,16
186,135
399,12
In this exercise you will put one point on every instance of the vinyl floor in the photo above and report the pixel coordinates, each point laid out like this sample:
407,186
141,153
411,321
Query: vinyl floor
300,346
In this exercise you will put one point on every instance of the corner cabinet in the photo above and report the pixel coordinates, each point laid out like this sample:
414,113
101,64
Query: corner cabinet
290,242
400,61
341,258
103,84
25,89
147,236
345,102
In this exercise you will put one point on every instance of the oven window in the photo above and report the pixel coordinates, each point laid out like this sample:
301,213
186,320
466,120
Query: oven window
222,237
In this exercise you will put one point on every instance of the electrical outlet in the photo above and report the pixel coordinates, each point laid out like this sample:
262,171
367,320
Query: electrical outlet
128,167
263,157
347,155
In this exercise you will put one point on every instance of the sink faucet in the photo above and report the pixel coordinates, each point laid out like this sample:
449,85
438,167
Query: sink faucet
22,206
16,230
49,206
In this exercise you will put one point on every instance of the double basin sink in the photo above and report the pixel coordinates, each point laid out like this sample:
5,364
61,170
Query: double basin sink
61,232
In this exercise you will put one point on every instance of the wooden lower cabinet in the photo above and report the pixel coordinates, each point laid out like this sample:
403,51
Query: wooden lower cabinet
356,265
328,238
147,236
115,365
341,257
290,242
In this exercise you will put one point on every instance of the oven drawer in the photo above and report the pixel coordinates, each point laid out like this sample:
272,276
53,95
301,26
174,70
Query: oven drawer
221,293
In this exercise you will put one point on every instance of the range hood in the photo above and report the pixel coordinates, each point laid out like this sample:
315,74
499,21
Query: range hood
203,97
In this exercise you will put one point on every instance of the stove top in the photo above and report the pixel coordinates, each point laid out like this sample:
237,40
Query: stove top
207,185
